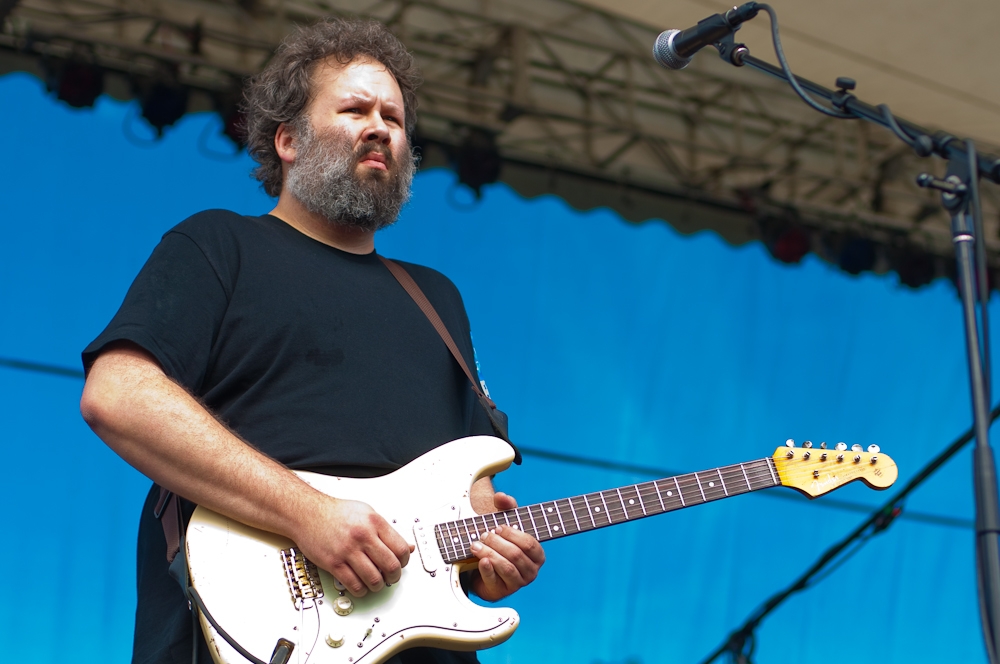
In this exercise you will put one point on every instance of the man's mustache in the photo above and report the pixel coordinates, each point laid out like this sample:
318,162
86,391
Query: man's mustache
364,150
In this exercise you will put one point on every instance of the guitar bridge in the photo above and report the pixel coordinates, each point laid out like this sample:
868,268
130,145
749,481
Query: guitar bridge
302,576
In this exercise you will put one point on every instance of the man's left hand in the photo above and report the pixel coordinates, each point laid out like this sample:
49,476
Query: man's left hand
509,559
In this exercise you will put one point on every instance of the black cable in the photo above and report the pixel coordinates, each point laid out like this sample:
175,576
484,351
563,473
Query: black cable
877,522
780,52
40,367
223,633
576,460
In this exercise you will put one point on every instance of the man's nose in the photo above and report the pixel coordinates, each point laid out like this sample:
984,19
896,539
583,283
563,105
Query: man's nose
377,130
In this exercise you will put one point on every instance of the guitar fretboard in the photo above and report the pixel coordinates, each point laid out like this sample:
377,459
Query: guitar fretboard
569,516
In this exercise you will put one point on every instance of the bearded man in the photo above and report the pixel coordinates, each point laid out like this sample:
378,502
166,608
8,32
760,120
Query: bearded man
248,346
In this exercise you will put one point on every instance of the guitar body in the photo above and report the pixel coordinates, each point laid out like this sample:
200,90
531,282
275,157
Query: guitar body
259,591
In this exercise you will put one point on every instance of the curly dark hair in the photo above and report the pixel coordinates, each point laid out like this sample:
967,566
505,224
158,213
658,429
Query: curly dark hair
281,91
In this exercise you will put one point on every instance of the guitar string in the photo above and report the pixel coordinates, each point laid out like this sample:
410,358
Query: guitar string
648,489
646,492
759,470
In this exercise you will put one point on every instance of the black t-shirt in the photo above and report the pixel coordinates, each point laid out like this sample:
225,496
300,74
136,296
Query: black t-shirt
316,356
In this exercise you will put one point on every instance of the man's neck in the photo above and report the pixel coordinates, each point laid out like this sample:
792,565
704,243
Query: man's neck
345,238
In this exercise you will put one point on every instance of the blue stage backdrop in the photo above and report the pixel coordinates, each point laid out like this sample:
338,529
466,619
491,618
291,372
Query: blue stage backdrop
619,342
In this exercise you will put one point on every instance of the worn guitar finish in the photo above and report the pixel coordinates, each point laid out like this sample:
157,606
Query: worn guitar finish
260,589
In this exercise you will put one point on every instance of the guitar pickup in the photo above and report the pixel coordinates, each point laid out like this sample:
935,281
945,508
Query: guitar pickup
430,555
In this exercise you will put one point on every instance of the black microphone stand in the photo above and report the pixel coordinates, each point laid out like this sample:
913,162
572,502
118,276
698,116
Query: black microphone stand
960,197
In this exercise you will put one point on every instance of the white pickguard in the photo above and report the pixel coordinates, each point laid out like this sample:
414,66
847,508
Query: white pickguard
239,574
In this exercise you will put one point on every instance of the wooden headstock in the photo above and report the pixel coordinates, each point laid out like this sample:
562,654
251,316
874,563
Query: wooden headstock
817,470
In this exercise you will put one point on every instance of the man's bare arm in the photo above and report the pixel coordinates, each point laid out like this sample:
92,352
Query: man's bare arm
161,430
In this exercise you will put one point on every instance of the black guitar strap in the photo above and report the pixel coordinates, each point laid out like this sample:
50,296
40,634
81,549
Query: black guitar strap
497,417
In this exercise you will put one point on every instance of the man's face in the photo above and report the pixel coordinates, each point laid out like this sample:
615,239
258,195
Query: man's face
352,162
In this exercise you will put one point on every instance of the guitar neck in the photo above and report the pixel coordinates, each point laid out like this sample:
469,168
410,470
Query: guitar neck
569,516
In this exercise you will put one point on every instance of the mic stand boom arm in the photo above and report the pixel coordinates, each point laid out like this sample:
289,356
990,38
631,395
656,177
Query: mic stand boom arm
960,197
940,143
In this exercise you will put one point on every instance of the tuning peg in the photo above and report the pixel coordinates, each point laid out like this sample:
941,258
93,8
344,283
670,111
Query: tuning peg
789,443
822,445
808,443
873,449
841,447
855,447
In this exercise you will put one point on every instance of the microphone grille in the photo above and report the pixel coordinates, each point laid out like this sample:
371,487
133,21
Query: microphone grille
666,54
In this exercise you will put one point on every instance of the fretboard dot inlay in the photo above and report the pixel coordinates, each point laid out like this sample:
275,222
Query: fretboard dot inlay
604,508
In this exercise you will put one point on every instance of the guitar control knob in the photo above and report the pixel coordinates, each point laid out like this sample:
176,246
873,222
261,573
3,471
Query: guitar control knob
334,639
343,605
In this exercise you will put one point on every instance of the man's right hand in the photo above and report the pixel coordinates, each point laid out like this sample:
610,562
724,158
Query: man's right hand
358,547
157,427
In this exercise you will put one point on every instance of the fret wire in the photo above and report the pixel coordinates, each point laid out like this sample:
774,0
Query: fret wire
447,539
559,514
605,503
698,480
638,494
575,518
622,501
452,536
486,528
591,510
743,468
770,466
541,506
679,492
467,533
519,522
659,495
724,490
441,542
532,519
650,492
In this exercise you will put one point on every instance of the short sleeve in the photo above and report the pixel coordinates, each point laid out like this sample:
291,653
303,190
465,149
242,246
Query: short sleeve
173,310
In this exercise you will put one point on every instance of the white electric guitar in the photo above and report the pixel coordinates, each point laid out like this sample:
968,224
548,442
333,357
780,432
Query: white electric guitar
261,590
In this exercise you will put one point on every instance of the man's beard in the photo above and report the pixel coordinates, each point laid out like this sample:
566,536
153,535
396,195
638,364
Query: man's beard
325,179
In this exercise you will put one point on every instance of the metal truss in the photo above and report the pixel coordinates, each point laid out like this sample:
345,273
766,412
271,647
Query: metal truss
556,97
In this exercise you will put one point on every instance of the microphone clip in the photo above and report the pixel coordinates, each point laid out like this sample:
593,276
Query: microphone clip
732,51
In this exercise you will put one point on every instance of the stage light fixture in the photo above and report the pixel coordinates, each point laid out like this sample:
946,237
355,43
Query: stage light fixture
79,84
233,119
915,268
788,244
857,255
477,160
163,105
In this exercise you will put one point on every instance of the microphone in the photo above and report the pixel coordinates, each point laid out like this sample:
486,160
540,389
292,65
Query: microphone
675,48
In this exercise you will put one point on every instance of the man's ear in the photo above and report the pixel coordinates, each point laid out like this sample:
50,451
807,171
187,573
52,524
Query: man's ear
284,143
